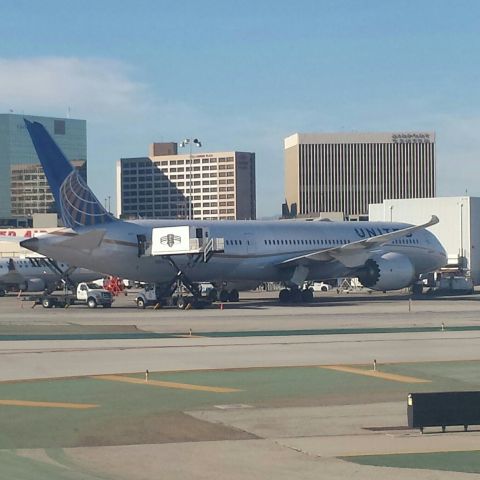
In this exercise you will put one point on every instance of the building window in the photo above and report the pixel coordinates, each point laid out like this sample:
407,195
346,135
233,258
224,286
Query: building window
59,127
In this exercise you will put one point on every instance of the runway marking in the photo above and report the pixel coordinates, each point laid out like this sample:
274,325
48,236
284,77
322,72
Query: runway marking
26,403
158,383
377,374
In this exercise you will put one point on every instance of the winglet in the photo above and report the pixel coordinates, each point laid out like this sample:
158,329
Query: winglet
76,203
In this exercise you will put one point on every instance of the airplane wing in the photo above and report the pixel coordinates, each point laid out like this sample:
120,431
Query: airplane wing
12,278
356,253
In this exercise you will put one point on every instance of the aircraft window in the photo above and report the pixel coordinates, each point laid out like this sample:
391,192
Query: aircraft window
239,242
265,242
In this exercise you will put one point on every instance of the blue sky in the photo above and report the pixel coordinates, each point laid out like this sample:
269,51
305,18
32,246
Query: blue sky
243,75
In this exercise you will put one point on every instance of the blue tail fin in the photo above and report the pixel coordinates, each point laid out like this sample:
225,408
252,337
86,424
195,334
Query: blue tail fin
76,203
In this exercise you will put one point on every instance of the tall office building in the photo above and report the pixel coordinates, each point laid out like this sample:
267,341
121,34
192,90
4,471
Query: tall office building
23,187
203,186
345,172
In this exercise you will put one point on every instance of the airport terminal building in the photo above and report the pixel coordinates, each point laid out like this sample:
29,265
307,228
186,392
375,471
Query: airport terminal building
23,187
205,186
345,172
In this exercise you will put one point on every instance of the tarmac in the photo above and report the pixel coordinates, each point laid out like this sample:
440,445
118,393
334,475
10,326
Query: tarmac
244,391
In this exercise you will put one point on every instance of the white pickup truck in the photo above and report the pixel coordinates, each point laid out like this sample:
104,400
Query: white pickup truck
87,293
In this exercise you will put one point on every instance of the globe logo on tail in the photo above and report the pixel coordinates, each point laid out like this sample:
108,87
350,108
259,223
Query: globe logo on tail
78,205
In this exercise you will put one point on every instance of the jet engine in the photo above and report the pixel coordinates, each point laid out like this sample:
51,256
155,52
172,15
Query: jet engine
33,285
390,271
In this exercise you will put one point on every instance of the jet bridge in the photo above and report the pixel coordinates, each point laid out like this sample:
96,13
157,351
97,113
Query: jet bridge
181,240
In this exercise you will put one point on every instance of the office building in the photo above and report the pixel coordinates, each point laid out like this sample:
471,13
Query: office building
345,172
23,187
203,186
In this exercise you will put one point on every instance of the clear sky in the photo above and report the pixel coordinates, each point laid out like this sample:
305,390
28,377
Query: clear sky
245,74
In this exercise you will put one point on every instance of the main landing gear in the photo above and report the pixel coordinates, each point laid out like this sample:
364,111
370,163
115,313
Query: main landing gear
295,295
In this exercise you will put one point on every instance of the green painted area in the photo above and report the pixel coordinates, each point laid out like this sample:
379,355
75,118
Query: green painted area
135,413
14,466
336,331
467,462
75,335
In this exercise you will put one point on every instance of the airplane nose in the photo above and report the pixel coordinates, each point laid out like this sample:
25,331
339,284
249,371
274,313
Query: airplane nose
30,243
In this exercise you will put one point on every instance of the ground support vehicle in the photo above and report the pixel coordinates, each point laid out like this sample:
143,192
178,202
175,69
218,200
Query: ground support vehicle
160,295
86,294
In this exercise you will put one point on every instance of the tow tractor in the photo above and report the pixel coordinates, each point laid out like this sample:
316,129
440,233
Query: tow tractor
88,294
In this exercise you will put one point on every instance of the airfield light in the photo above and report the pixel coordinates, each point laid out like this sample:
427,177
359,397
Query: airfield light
183,144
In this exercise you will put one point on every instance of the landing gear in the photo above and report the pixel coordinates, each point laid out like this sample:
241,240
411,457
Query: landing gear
182,303
229,296
295,295
307,295
223,296
233,296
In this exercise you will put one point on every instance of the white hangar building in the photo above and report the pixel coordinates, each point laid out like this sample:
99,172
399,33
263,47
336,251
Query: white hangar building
458,229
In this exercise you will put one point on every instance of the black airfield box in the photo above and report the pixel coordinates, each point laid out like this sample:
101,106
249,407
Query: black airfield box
443,409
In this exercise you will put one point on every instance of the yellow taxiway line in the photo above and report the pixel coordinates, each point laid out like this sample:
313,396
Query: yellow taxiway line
377,374
26,403
157,383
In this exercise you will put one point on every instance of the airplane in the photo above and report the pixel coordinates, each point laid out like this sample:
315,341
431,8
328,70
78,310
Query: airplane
39,274
383,255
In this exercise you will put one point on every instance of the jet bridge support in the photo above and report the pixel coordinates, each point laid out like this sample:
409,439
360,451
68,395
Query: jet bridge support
172,242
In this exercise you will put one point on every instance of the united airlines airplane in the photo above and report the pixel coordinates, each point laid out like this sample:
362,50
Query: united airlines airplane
383,255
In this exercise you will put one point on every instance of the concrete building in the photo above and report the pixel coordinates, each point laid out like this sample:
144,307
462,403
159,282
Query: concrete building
23,187
206,186
345,172
458,229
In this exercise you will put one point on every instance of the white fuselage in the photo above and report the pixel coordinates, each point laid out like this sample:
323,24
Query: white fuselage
253,250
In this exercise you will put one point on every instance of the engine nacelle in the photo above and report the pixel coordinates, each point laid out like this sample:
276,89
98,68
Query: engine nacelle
33,285
390,271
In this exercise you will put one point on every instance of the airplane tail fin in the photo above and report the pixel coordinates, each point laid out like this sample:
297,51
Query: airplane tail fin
76,203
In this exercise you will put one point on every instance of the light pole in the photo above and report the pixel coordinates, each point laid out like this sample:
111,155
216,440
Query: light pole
461,235
391,213
183,144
